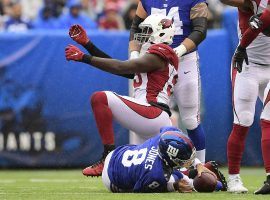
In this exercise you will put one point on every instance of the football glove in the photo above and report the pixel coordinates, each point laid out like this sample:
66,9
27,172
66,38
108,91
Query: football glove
73,53
255,22
78,34
238,58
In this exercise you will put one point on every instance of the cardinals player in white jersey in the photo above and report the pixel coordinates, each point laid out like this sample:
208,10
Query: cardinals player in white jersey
156,74
250,80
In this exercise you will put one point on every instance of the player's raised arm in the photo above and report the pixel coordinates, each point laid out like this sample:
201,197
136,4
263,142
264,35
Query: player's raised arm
141,14
79,35
146,63
198,17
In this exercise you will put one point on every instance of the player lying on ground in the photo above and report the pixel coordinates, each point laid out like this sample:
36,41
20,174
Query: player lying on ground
152,166
190,19
156,74
251,80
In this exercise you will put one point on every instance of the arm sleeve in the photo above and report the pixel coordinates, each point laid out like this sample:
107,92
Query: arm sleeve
95,51
251,34
198,16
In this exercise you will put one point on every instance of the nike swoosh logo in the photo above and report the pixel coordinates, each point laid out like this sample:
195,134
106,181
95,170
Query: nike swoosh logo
186,72
161,48
75,54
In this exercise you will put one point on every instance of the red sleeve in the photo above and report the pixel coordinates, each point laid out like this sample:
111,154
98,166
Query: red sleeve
165,52
251,34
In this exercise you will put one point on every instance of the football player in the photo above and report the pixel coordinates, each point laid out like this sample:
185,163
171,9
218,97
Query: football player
190,18
156,74
152,166
250,80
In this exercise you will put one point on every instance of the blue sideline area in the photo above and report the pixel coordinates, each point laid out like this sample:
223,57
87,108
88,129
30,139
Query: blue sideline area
45,114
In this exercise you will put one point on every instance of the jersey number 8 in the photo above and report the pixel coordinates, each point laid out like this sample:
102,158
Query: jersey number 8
135,157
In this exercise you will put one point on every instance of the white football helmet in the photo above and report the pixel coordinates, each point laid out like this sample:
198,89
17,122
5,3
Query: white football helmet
156,29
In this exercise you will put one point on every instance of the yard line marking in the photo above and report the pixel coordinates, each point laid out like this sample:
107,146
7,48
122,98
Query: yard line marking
36,180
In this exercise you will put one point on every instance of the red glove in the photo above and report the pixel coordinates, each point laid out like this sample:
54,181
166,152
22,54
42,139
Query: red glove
73,53
78,34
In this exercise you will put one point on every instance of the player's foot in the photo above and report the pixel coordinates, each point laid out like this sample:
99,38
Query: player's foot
265,189
95,169
235,185
213,166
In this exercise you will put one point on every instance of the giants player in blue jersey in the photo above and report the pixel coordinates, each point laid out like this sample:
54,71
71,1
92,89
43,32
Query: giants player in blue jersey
152,166
190,19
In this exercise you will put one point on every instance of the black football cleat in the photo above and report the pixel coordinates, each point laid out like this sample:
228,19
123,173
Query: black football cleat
213,166
265,189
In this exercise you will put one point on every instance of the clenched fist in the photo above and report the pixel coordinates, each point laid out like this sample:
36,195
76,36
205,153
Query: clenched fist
78,34
73,53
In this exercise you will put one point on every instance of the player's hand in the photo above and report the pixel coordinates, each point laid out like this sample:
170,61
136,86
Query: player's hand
183,186
73,53
78,34
239,57
255,22
200,169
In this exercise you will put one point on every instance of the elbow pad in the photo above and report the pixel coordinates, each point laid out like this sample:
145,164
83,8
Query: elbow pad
199,30
135,27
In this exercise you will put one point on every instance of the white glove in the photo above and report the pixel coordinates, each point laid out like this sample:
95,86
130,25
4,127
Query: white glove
180,50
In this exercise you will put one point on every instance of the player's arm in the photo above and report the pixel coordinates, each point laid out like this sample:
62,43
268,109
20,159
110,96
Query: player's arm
79,35
147,63
198,16
141,14
245,5
257,24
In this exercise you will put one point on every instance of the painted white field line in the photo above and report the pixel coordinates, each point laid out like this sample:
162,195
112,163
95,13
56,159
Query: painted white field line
38,180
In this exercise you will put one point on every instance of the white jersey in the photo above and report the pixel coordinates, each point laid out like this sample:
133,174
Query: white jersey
259,50
157,86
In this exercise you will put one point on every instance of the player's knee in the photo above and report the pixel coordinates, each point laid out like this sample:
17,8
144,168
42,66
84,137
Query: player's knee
99,98
190,123
245,118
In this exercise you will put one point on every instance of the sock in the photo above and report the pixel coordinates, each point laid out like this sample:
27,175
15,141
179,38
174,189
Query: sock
235,148
103,117
197,136
233,176
265,144
107,149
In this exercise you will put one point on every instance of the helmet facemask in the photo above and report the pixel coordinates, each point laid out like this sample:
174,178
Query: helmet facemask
156,29
144,35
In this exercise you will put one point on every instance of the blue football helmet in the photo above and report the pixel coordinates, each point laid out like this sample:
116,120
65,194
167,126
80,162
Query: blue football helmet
176,149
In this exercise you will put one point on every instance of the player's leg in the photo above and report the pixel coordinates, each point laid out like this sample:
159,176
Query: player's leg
187,94
142,118
265,140
245,92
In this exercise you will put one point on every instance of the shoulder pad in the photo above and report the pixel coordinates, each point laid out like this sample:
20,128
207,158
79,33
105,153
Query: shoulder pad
165,52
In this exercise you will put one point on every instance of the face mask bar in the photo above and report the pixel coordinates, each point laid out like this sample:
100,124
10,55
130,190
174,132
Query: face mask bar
145,34
185,163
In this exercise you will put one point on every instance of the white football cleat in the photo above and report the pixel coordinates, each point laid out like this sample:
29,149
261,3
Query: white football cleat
235,185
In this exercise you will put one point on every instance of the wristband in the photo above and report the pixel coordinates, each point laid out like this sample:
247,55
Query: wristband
87,59
196,162
134,55
180,50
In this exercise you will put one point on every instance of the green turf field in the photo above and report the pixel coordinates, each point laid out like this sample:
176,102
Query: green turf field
70,184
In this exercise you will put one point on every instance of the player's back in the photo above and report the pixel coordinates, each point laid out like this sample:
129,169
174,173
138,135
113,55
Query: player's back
259,50
138,168
179,10
157,86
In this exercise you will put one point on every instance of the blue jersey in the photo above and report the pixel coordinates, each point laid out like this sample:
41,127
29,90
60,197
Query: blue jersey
179,10
138,168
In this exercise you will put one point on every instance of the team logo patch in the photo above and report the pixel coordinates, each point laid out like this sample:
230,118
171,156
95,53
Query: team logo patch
172,151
